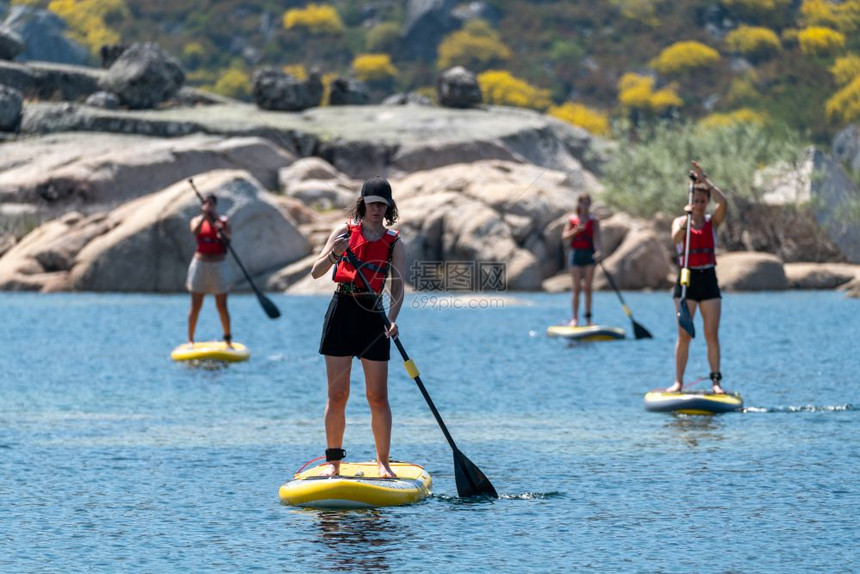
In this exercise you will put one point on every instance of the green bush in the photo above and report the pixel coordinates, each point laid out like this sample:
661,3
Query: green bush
384,37
648,173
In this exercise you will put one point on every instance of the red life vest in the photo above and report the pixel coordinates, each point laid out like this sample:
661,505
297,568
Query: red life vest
703,244
583,239
207,239
375,257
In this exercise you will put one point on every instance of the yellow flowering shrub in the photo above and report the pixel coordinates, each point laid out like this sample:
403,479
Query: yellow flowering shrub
818,41
741,116
845,69
499,87
742,90
593,121
315,19
234,83
87,20
682,57
753,41
844,106
297,71
841,16
477,47
373,67
33,3
637,92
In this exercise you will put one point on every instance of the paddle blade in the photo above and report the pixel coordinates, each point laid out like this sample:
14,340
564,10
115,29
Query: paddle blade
470,480
639,331
271,310
685,321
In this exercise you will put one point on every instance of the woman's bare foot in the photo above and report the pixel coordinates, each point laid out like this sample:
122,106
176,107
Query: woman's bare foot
332,470
717,389
676,388
385,470
573,323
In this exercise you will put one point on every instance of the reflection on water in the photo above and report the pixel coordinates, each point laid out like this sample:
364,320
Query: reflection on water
691,429
355,539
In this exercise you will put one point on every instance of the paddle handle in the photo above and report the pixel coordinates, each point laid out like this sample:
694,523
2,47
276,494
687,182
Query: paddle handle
685,271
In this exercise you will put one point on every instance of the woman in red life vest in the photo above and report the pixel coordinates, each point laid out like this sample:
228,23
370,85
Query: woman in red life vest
583,233
353,327
704,290
209,271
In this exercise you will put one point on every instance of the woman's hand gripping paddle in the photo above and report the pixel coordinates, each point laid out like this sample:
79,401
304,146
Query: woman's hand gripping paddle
469,478
685,321
269,307
638,330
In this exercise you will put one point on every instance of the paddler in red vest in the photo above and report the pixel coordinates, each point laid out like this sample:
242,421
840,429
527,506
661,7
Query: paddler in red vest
704,290
210,271
352,326
583,232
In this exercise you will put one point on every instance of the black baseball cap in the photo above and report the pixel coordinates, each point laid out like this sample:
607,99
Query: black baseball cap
376,189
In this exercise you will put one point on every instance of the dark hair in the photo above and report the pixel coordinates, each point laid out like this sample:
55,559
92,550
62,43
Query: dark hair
211,197
358,210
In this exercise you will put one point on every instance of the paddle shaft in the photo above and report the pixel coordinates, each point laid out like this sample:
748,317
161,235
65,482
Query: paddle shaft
269,307
685,272
410,366
639,331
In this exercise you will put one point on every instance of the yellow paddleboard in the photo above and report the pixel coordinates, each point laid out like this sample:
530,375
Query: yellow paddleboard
357,486
692,403
586,333
211,351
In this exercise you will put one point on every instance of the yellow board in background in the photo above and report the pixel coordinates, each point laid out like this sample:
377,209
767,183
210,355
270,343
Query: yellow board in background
357,486
211,351
587,333
692,403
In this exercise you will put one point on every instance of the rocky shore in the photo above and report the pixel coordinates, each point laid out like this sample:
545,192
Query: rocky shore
97,199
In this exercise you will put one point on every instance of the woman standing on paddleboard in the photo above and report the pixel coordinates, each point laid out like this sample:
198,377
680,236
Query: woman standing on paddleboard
353,326
583,232
703,291
209,271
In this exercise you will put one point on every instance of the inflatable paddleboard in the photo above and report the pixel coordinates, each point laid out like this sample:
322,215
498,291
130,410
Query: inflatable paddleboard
211,351
357,486
588,333
692,403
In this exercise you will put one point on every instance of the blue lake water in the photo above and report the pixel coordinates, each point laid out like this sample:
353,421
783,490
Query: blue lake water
114,458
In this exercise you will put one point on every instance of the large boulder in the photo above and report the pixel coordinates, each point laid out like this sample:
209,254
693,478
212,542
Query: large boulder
43,35
486,212
11,103
11,44
50,81
640,262
144,76
751,271
458,88
346,92
276,90
846,147
820,275
317,184
98,171
145,245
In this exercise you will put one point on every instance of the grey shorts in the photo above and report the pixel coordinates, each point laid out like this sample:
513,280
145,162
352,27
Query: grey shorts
213,277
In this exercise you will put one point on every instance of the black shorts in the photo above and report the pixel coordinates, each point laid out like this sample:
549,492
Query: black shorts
353,329
703,285
581,257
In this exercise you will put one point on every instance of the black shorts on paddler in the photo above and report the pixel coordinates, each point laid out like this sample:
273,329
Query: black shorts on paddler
581,257
703,285
352,328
